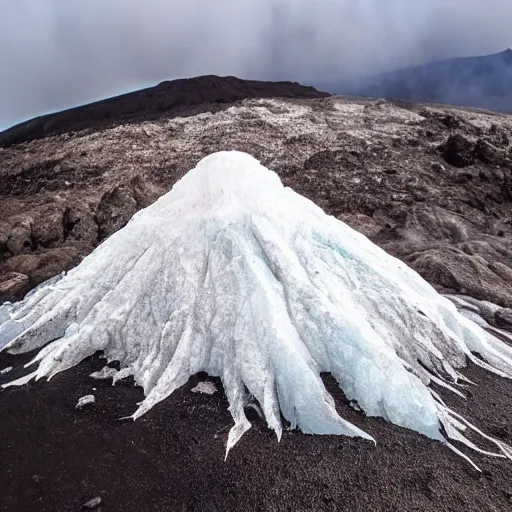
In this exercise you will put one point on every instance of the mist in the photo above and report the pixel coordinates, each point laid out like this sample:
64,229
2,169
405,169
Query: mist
57,54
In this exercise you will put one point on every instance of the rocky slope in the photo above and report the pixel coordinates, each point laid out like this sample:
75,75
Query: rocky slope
430,184
167,99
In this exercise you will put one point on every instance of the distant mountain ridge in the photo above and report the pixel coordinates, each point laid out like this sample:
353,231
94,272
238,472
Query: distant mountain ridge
481,82
165,99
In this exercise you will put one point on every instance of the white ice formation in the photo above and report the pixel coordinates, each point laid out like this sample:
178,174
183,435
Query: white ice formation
233,274
85,400
206,387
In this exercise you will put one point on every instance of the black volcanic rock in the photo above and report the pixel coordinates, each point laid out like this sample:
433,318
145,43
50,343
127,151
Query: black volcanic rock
458,151
482,82
165,99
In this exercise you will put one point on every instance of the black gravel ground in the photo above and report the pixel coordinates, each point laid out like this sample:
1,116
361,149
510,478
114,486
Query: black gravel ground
56,458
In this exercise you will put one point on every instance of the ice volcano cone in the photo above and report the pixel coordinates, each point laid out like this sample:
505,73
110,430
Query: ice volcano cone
233,274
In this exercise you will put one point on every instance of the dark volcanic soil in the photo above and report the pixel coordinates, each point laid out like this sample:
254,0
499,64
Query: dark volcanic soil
55,458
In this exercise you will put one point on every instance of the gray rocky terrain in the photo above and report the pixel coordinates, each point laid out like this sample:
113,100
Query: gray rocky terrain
432,185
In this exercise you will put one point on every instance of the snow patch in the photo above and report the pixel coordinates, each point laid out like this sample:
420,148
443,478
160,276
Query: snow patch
207,387
94,503
85,400
105,373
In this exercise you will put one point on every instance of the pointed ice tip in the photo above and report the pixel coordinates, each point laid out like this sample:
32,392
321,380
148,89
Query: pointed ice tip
367,437
30,363
21,381
460,454
138,413
125,418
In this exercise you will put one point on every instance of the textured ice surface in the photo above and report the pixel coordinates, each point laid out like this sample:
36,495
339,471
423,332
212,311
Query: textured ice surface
233,274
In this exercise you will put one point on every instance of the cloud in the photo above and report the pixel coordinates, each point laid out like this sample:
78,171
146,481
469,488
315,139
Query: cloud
59,53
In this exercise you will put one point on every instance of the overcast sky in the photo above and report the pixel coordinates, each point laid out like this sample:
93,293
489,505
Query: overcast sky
60,53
